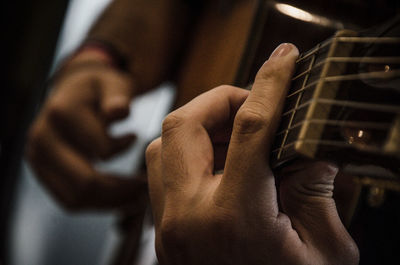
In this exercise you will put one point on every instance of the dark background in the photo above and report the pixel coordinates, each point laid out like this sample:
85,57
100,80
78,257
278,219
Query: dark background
29,35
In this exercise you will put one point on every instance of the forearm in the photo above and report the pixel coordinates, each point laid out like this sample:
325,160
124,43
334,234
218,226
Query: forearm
147,34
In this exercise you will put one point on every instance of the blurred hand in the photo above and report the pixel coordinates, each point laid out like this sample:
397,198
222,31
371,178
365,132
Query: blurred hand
70,133
241,216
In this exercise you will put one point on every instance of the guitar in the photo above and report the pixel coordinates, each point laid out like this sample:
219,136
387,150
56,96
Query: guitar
344,94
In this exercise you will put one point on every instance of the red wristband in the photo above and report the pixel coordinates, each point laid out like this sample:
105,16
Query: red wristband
106,51
91,52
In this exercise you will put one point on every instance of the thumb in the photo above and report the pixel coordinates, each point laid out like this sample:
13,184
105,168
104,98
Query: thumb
116,95
305,192
307,182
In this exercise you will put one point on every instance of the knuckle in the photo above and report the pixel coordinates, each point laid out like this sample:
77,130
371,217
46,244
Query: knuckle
249,121
271,71
171,122
225,88
153,150
170,231
57,108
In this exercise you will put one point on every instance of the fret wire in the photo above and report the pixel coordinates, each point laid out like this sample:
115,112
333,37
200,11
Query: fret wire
303,73
331,143
335,78
319,47
309,70
302,89
361,105
340,123
305,104
313,58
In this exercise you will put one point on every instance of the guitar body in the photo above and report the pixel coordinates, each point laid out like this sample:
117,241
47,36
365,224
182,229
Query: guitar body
216,50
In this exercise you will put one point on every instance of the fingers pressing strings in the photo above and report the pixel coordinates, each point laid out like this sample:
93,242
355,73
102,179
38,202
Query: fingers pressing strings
247,167
186,137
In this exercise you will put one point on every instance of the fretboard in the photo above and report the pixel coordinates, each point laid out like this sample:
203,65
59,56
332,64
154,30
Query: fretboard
319,113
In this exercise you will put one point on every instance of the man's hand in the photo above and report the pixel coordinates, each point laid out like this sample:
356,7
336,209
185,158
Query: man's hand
71,132
241,216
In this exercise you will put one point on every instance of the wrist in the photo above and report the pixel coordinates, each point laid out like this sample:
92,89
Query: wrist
93,52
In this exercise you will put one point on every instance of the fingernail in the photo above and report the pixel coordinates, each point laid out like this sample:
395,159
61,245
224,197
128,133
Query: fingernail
282,50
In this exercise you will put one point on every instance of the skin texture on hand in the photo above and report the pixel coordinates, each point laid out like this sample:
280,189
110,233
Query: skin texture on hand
70,133
241,216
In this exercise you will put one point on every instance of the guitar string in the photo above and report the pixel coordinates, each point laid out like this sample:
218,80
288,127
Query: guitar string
314,51
349,103
380,40
339,123
369,75
365,59
378,60
312,61
344,78
385,40
372,149
361,105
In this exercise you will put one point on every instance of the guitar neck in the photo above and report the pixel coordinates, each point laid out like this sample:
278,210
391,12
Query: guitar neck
343,100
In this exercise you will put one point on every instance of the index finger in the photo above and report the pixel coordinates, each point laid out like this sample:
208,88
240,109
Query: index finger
187,151
247,163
